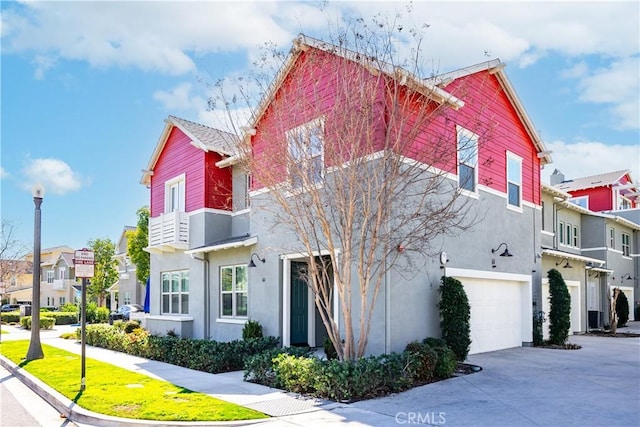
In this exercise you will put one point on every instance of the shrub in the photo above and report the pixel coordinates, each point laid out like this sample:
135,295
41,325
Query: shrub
252,329
295,373
45,322
63,318
131,326
425,360
329,349
454,317
258,368
622,309
97,314
538,320
560,308
69,307
10,317
446,364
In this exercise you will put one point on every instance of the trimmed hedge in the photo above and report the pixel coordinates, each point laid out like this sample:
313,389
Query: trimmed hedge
46,322
10,317
364,378
202,355
63,317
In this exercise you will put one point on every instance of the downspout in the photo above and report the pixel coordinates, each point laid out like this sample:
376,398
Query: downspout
207,308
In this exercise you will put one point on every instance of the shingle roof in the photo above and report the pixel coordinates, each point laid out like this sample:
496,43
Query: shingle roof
593,181
212,139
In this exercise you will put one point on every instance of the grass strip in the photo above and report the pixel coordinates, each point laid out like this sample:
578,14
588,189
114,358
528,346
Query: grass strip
115,391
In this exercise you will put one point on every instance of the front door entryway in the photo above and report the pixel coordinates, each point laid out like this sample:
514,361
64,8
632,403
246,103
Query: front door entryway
299,304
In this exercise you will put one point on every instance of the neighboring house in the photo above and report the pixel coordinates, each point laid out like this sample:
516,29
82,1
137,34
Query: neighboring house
57,278
128,289
203,231
18,280
593,252
612,191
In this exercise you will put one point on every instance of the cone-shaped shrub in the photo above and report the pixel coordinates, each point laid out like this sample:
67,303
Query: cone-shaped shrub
455,314
622,309
560,311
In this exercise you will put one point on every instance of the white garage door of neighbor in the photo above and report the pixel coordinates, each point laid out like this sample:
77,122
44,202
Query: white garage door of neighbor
496,314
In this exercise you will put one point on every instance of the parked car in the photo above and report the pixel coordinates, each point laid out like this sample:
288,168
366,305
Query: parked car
10,307
123,312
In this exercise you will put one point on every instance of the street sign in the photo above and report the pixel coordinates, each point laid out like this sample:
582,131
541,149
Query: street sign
83,262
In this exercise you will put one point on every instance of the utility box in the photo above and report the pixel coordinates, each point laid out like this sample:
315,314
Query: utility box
25,310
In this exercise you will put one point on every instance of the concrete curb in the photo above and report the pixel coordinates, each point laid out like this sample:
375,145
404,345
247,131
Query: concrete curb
75,413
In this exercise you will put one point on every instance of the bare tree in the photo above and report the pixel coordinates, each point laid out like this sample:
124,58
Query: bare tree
12,252
356,154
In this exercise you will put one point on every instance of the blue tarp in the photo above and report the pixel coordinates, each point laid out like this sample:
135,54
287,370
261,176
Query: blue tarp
146,296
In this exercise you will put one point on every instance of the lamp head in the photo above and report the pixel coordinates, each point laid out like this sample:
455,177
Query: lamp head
37,191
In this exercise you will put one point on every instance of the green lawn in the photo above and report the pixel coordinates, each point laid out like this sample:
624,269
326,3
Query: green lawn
119,392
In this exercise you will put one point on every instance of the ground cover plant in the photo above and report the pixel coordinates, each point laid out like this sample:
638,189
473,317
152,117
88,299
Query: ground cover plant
118,392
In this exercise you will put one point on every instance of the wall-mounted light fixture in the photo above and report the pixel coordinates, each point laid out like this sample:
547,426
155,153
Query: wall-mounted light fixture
627,277
253,264
566,263
506,250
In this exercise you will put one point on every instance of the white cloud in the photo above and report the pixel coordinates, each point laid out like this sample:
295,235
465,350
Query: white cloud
617,85
55,175
3,173
180,98
586,158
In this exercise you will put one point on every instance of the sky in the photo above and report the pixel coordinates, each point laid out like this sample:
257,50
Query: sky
86,86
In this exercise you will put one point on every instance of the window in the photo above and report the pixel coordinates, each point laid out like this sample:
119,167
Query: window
623,203
467,160
175,292
174,194
50,276
247,190
561,233
582,201
612,238
626,244
568,235
306,148
62,272
63,301
543,213
514,180
233,291
576,241
127,298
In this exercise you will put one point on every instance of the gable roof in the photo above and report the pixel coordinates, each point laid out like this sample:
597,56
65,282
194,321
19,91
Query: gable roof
432,88
496,67
203,137
593,181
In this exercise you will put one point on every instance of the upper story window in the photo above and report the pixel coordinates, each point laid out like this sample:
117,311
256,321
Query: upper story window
62,273
174,194
626,244
561,239
514,180
582,201
612,238
234,297
175,292
467,159
575,237
543,215
306,149
623,203
50,276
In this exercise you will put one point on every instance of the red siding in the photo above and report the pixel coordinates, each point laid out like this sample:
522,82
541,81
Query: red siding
489,113
600,198
315,88
201,186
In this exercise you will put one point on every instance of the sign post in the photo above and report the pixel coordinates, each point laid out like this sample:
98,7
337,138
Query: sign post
84,267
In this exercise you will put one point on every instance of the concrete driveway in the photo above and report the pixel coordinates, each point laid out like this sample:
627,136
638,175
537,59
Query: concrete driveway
598,385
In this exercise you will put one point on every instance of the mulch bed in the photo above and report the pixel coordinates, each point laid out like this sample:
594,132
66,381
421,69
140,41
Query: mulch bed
567,346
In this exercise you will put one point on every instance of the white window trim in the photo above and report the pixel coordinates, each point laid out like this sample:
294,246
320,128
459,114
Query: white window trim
318,122
472,136
518,159
180,179
170,293
233,292
627,245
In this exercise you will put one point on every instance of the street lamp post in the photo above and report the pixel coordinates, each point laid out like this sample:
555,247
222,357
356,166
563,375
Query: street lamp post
35,347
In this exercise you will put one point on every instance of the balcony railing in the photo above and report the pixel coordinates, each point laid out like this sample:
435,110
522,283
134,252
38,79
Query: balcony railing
169,232
62,284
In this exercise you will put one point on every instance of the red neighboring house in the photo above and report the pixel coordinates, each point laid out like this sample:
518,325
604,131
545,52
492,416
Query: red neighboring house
183,179
612,191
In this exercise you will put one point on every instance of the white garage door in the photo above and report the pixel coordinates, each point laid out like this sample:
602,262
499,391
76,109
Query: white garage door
496,313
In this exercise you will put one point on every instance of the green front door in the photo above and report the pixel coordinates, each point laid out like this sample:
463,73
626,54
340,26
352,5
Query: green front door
299,304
